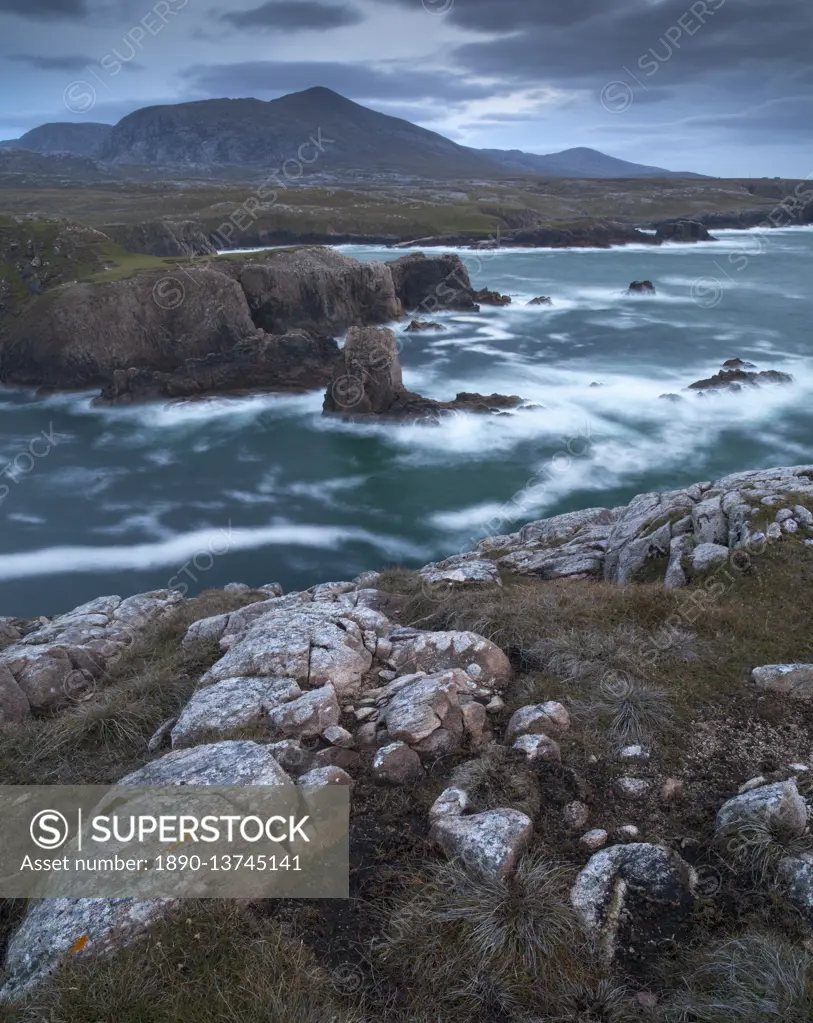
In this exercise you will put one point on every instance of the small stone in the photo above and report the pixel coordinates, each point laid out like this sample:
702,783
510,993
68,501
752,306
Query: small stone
576,815
628,833
338,736
633,753
365,736
450,803
321,776
365,714
543,717
633,788
647,1000
784,514
803,516
774,531
539,747
672,790
273,589
474,721
594,840
386,676
497,704
236,588
397,764
490,842
790,526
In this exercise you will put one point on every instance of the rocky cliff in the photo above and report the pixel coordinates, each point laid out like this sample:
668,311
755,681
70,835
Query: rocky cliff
156,325
622,759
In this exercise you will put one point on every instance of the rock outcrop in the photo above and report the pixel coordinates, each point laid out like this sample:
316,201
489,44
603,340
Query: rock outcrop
58,660
683,231
230,325
426,285
670,536
367,380
734,376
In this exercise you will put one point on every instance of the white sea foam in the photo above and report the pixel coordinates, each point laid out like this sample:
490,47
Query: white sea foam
178,549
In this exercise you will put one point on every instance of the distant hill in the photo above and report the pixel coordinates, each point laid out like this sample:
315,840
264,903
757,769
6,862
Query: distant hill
578,163
76,139
253,133
218,136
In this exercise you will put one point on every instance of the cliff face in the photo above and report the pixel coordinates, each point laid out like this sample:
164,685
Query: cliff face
162,238
318,290
266,322
77,336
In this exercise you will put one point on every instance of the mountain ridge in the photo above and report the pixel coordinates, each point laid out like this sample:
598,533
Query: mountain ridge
252,133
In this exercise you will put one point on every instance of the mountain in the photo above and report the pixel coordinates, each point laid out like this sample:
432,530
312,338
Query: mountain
76,139
334,138
578,163
253,133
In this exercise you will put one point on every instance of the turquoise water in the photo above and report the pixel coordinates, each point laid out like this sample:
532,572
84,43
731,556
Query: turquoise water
265,489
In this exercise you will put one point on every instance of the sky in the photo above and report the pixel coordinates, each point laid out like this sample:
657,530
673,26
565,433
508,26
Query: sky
720,87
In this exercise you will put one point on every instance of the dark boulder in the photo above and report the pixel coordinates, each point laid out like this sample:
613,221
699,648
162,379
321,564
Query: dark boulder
541,300
486,297
738,364
419,325
737,379
641,288
683,231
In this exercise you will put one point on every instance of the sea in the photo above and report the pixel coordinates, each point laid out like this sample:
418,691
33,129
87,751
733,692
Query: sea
97,501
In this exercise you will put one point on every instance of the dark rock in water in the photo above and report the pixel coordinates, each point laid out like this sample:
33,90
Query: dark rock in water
683,231
738,364
671,397
367,381
541,300
367,377
419,325
486,297
424,284
641,288
292,362
736,379
594,384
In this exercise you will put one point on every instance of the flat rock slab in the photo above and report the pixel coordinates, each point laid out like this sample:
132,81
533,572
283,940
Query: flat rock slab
311,642
488,843
229,704
52,927
431,652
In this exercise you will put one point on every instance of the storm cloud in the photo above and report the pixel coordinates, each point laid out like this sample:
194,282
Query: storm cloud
718,86
293,16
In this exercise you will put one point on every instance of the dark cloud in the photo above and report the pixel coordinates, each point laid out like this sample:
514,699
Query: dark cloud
294,16
396,80
38,9
66,63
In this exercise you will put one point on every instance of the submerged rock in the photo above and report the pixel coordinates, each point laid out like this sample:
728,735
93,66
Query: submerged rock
486,297
641,288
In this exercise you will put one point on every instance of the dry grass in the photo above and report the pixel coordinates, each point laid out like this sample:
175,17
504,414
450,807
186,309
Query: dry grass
753,979
473,942
213,962
105,735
